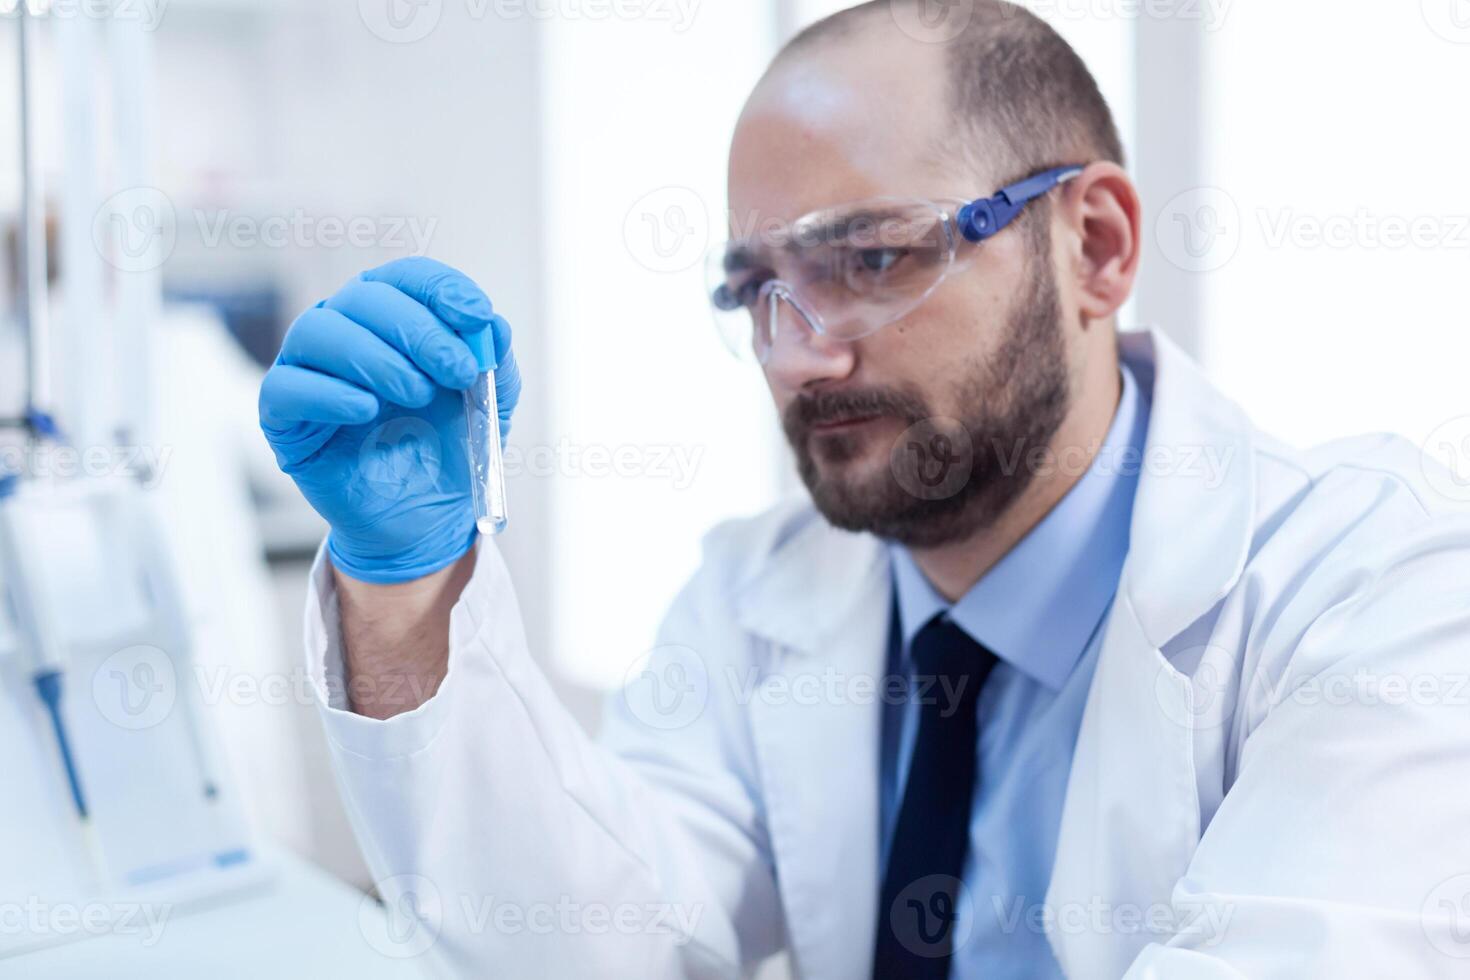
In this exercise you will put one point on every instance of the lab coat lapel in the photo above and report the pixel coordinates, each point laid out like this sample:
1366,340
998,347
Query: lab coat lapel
1131,819
1130,823
822,608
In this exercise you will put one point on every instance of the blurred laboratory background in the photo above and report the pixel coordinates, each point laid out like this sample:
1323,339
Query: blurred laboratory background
208,168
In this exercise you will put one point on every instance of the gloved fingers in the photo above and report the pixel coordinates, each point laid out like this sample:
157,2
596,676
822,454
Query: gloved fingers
450,294
507,389
291,394
500,334
326,341
491,345
410,328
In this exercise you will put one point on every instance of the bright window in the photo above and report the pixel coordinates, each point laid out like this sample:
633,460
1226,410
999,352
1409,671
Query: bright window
1336,304
659,433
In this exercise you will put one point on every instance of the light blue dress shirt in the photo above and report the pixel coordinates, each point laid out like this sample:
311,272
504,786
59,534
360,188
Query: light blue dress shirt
1041,610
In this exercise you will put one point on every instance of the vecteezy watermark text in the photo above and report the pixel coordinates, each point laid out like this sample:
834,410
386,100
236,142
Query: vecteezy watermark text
137,229
148,14
302,229
36,917
42,460
408,21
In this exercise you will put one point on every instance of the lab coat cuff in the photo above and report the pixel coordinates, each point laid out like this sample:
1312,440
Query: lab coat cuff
408,732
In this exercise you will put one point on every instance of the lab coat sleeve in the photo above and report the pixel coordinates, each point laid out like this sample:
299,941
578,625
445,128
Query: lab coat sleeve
1341,848
526,848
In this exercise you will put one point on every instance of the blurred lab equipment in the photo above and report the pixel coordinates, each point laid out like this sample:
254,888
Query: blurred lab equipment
119,806
91,601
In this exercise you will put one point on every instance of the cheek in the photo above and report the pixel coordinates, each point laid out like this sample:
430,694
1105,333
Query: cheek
780,397
955,326
918,355
933,351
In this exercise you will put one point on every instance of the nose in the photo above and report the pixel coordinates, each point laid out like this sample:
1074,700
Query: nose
800,354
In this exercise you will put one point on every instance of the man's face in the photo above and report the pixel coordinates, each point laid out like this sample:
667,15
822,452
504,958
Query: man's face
917,432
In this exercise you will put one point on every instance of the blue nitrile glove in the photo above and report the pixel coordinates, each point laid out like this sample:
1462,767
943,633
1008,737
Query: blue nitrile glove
363,410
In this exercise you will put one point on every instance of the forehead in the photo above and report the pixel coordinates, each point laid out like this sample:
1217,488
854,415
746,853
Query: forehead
845,121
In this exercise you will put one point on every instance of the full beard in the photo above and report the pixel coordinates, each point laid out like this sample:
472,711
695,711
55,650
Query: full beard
947,478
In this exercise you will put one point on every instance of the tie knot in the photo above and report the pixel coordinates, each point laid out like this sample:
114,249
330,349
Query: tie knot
942,649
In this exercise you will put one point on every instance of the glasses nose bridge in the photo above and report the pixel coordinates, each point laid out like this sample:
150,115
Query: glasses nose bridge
773,295
802,344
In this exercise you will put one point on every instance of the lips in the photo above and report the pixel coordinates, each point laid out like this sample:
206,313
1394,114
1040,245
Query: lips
836,417
843,425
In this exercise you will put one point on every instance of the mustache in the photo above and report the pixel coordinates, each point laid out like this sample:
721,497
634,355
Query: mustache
841,405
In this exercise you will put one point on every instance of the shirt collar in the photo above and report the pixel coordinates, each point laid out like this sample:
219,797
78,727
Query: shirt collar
1038,606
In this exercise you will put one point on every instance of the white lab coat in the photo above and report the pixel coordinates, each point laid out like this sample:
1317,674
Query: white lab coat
1253,793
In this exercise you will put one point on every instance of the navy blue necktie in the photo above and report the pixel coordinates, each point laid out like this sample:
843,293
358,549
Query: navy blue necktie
918,908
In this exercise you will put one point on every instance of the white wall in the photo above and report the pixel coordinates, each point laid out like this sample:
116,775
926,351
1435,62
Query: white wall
639,114
1338,130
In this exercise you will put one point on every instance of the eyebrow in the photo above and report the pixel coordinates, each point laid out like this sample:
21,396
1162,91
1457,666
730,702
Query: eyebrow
749,254
739,258
840,226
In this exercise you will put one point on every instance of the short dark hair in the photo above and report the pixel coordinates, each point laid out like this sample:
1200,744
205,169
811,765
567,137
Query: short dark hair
1026,98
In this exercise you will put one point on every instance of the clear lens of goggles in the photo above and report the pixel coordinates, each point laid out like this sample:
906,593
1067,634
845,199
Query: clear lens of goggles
845,272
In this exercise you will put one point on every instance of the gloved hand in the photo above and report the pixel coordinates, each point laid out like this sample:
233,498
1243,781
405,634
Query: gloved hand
363,410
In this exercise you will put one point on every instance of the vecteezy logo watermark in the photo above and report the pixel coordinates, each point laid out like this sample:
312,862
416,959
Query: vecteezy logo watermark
1445,916
933,21
400,21
933,458
409,919
1446,459
400,458
136,687
667,230
668,688
147,14
406,21
1450,19
1202,699
1199,230
135,229
932,916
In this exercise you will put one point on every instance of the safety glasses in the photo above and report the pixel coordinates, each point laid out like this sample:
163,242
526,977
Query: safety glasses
851,270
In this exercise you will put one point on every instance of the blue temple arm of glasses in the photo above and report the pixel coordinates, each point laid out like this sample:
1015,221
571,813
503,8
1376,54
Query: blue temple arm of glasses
985,217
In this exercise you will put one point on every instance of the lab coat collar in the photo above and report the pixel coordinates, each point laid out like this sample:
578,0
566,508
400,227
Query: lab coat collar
1192,516
1189,535
816,579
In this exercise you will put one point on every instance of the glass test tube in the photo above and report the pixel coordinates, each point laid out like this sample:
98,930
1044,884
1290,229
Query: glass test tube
482,428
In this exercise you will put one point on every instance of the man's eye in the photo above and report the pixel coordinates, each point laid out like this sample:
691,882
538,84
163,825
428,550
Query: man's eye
879,259
748,291
732,296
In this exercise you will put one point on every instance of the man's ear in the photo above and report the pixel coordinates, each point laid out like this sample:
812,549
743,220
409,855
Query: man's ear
1101,208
